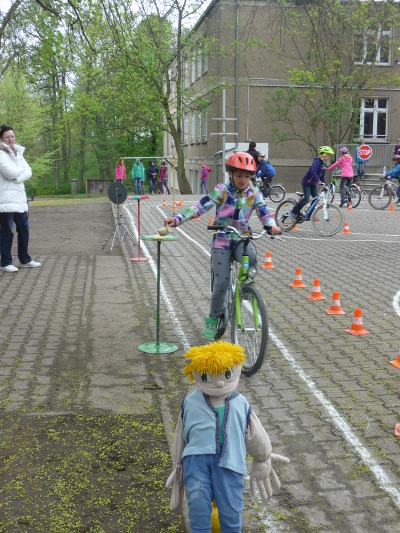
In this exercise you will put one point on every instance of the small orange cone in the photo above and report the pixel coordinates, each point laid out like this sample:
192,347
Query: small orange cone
295,228
164,203
391,210
268,261
397,430
196,218
357,327
174,208
180,202
335,308
346,230
397,362
316,291
298,282
350,208
210,221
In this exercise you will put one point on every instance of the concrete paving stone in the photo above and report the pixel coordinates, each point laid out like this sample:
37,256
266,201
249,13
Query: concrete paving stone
313,519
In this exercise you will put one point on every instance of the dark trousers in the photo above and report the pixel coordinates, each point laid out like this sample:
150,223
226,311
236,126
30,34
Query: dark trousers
309,190
6,237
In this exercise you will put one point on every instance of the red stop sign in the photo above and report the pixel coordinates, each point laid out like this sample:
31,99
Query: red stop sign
364,152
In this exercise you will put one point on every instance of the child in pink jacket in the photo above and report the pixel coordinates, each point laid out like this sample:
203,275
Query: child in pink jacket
346,171
120,173
204,177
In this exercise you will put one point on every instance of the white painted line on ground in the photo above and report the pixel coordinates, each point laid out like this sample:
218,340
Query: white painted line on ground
164,295
380,475
396,305
344,241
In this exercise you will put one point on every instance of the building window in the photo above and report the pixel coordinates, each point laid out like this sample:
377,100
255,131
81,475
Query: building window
193,69
205,61
185,74
198,127
374,118
373,47
193,128
199,57
185,128
204,126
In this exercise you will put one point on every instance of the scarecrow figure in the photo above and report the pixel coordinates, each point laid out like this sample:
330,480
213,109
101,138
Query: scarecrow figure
215,430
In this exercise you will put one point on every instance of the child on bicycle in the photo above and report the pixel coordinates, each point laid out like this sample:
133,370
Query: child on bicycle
313,177
265,172
395,174
346,171
234,202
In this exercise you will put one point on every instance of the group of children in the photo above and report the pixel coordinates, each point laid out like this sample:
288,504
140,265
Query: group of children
138,176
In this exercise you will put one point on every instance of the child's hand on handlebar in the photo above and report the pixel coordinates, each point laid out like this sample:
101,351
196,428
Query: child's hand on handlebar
276,230
170,221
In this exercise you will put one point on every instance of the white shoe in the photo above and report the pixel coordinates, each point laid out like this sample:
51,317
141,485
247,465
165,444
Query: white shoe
31,264
9,268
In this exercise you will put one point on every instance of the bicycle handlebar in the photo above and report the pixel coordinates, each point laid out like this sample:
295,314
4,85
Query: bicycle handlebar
231,229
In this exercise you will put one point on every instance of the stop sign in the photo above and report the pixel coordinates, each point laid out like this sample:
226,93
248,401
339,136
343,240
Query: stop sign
364,152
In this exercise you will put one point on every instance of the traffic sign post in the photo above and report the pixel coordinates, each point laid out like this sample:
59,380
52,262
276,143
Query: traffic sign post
364,152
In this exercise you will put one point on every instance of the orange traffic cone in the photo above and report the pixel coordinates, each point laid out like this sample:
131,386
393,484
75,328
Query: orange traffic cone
391,210
316,291
174,208
397,430
164,203
210,221
196,218
180,202
346,230
268,261
335,308
350,208
295,228
298,282
357,327
397,362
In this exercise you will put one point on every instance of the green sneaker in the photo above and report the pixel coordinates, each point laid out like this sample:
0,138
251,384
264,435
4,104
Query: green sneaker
210,330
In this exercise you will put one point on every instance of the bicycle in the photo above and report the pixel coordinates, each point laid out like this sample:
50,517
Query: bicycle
244,306
326,220
276,193
352,193
381,196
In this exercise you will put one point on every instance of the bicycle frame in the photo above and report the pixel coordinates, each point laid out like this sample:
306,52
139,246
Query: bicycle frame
243,278
314,202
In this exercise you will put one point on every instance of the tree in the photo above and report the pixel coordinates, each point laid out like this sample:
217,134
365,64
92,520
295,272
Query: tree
334,49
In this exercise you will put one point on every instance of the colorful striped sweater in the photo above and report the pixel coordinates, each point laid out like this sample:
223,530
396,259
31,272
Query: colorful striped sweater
233,208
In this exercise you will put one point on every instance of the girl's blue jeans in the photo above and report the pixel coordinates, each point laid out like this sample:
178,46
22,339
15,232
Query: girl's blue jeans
137,185
309,190
203,184
204,481
360,168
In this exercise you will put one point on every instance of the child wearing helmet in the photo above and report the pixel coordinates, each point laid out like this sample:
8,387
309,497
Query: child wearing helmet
395,174
346,171
313,177
234,202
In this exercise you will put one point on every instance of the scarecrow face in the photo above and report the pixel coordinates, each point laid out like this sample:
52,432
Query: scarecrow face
218,384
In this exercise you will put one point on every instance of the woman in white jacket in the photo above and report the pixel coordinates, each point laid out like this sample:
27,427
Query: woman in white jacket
14,170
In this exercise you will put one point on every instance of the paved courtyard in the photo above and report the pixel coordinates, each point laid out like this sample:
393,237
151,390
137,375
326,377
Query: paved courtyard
70,333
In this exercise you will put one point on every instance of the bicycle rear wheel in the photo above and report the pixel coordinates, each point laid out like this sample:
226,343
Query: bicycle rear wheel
353,196
282,215
329,226
380,197
252,333
276,193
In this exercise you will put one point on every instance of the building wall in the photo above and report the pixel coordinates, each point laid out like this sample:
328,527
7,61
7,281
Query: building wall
259,71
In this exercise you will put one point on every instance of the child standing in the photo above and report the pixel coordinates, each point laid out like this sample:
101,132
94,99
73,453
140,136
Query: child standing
204,177
234,202
164,178
120,174
346,171
395,174
137,175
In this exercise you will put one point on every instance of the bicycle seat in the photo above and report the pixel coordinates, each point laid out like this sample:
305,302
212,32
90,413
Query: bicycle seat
299,193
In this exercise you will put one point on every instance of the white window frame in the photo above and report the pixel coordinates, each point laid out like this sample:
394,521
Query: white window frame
381,34
185,74
185,128
375,112
193,128
205,60
199,57
193,69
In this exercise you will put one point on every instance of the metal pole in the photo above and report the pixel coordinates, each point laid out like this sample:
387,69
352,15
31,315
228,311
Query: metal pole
223,136
158,293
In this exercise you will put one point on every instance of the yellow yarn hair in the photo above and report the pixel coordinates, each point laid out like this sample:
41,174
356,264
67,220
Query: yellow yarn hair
215,358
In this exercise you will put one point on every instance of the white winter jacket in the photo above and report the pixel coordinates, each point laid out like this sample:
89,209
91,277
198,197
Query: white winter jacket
13,172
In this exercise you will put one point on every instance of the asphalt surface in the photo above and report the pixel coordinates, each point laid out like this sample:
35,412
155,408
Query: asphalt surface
328,400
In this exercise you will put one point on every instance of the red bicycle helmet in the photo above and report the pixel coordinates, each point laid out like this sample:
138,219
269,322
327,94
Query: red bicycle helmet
242,161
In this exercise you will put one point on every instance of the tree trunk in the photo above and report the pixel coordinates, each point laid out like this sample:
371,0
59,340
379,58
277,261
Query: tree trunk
82,155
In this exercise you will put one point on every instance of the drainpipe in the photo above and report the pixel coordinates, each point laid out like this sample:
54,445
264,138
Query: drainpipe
237,74
215,165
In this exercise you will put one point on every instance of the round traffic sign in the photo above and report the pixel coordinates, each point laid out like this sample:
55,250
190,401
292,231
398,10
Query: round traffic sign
364,152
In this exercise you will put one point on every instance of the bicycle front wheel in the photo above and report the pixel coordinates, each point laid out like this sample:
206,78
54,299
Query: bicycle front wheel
282,215
330,225
331,192
354,195
252,332
380,197
277,193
